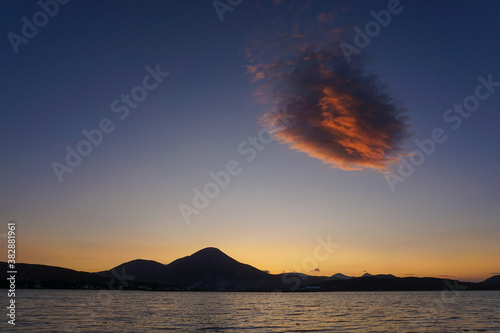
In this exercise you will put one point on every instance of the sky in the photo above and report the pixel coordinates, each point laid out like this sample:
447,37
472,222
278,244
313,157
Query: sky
266,129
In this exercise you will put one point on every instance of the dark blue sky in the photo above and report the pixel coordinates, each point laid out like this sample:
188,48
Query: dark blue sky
128,190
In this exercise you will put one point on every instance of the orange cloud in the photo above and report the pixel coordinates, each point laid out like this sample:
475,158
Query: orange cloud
341,115
339,112
325,17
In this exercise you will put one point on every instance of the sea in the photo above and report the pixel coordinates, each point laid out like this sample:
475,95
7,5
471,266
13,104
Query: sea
121,311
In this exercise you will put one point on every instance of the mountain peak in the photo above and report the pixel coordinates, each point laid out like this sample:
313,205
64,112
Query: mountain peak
340,276
210,249
209,252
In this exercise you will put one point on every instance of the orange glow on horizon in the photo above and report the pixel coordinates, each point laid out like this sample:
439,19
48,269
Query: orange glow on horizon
274,259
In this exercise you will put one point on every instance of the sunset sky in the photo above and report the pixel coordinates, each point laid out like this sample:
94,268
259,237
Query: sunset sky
341,125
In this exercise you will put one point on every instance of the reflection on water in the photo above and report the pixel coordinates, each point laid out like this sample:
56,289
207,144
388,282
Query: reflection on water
138,311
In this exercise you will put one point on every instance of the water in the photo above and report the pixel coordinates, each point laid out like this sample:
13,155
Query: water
140,311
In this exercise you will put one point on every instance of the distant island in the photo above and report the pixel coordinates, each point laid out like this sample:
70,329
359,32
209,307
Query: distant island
212,270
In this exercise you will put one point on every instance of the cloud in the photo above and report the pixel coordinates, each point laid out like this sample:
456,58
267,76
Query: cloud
340,113
326,17
316,270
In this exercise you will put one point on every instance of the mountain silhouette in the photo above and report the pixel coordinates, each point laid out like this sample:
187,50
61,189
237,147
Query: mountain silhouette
37,276
492,280
208,268
374,283
340,276
212,269
137,270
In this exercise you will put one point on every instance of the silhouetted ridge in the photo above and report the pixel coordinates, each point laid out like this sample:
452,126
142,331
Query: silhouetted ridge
495,279
206,269
137,270
208,256
340,276
212,251
212,269
43,276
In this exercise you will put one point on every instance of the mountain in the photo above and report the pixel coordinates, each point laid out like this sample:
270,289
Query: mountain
492,280
374,283
211,269
378,276
136,270
384,276
43,276
340,276
208,268
211,266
